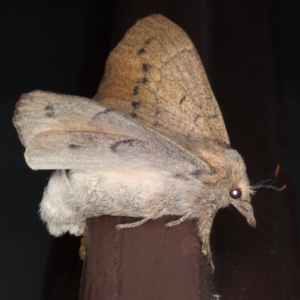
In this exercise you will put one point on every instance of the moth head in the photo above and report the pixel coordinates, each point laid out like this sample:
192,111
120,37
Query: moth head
230,179
238,189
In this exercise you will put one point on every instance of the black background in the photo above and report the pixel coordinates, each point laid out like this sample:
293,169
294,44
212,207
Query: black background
47,45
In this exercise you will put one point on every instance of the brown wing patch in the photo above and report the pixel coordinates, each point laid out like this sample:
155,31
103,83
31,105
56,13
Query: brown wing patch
157,66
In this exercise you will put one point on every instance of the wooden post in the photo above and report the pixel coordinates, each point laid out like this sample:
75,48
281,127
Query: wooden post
145,262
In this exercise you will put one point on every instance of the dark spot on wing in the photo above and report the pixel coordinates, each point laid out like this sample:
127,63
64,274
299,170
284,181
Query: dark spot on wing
136,90
50,111
146,67
134,115
206,117
181,100
49,108
143,80
74,147
155,123
141,52
135,104
180,176
147,42
50,114
106,111
129,142
67,173
196,172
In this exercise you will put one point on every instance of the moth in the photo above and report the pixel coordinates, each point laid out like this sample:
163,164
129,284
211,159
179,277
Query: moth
151,143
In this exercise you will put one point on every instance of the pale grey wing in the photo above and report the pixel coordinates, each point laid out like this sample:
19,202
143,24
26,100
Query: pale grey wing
107,152
155,75
40,111
69,132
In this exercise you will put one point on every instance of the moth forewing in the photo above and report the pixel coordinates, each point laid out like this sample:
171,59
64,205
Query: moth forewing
98,138
166,87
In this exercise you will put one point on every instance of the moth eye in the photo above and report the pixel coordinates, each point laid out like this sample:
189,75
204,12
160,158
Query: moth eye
235,193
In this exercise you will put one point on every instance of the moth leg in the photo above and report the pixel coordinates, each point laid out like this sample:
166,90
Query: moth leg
204,228
207,251
179,221
133,224
83,243
138,223
82,248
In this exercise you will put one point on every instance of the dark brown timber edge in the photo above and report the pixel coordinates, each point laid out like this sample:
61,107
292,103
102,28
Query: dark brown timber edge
146,262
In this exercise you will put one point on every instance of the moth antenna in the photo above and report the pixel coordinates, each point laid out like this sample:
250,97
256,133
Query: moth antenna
261,184
269,187
281,189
